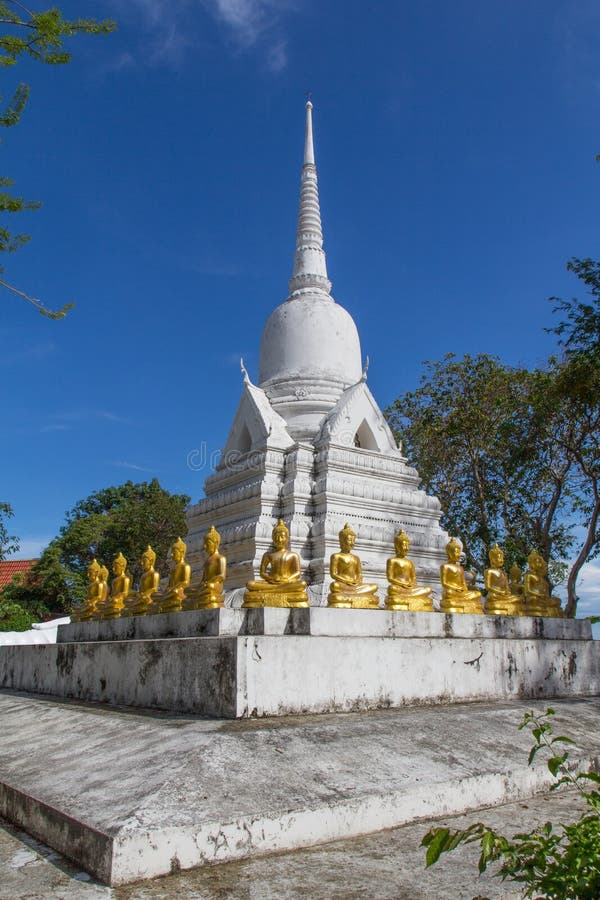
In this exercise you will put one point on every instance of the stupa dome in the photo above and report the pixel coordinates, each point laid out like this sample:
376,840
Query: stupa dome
310,338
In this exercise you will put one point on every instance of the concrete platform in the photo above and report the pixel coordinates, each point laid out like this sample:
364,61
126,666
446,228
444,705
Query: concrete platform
289,674
130,796
374,867
324,622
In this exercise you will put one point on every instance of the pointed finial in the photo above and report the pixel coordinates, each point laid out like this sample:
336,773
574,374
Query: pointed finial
309,275
309,150
244,371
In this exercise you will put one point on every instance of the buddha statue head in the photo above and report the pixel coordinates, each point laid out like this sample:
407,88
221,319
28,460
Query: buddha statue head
148,559
347,538
515,573
401,543
94,570
281,535
119,564
535,563
178,550
212,540
496,556
453,550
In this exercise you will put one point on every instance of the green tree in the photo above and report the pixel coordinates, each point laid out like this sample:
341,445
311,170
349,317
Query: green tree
9,543
125,518
39,36
576,389
481,435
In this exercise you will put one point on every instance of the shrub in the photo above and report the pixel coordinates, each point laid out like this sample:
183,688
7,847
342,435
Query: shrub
14,618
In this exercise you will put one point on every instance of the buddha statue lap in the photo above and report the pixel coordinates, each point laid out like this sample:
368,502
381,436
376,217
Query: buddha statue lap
347,590
456,596
279,583
208,594
141,600
175,593
538,600
94,596
119,590
403,592
499,599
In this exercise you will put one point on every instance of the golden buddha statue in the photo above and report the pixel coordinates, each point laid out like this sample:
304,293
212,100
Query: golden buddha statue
279,583
347,588
499,599
139,601
87,610
174,595
515,581
208,594
119,590
538,601
456,596
403,591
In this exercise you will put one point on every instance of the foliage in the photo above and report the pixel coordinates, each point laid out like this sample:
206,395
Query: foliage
14,618
577,388
514,454
39,36
125,518
554,864
8,542
44,589
481,435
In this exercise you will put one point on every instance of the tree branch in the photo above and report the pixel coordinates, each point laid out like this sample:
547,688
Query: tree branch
43,310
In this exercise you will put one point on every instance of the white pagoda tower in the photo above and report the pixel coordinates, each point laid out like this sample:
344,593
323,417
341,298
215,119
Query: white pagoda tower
309,443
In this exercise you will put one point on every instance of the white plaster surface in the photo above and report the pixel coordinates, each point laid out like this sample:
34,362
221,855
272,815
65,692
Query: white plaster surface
275,675
39,633
194,792
323,621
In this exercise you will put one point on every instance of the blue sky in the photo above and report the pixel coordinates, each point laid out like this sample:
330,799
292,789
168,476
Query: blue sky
455,148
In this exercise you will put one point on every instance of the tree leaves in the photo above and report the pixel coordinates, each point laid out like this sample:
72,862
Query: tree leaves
39,36
9,543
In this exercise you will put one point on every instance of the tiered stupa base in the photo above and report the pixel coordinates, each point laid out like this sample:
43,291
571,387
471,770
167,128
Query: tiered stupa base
236,663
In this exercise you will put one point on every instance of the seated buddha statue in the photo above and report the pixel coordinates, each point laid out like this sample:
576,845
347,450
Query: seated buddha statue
279,582
119,590
208,594
174,595
348,588
456,596
515,581
139,601
403,591
88,609
499,599
538,601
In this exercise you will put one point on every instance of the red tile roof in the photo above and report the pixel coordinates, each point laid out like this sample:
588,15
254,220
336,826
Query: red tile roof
11,567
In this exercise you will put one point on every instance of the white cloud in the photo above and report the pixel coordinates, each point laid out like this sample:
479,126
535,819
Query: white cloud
31,546
588,588
170,27
133,466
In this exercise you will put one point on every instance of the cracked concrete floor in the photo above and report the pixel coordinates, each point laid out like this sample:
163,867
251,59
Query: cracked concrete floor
388,865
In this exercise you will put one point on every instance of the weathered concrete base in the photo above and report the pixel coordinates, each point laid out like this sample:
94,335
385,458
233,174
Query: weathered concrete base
266,675
323,621
134,796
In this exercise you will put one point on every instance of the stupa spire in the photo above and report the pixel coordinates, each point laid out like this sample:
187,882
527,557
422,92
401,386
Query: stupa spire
309,275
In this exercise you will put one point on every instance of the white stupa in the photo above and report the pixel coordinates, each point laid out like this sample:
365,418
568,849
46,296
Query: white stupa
309,443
